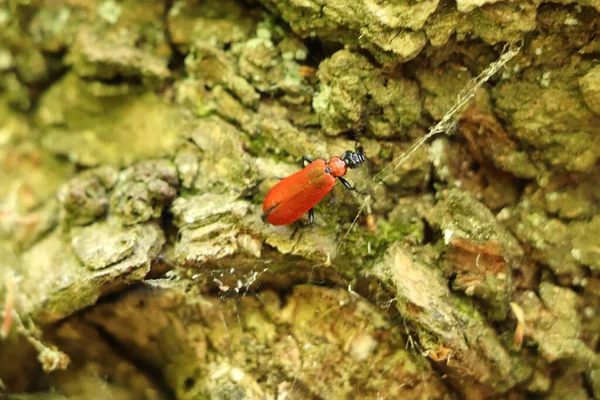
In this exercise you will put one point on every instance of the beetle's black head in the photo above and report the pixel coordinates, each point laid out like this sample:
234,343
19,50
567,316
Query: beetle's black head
353,159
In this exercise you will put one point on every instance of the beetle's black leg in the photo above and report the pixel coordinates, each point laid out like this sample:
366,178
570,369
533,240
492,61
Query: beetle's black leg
295,230
305,159
266,213
348,186
311,221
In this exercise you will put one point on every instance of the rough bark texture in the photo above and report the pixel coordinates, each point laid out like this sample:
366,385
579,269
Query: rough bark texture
138,139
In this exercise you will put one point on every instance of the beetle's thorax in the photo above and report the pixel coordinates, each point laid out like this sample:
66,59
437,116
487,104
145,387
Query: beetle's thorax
337,167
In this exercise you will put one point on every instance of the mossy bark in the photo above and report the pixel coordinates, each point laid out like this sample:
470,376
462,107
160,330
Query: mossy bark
138,139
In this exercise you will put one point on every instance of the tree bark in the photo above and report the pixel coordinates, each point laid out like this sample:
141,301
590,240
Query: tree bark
138,140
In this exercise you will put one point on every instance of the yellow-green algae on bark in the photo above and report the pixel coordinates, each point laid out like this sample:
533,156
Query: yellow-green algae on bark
312,342
93,125
179,116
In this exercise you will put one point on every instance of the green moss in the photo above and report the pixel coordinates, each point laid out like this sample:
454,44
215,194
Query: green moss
465,306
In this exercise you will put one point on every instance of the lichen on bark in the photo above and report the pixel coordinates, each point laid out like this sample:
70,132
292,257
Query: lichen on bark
138,140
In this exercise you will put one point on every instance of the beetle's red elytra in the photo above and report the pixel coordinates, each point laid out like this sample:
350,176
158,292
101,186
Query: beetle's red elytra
297,194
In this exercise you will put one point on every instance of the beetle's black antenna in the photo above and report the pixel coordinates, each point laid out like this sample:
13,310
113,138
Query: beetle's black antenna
358,148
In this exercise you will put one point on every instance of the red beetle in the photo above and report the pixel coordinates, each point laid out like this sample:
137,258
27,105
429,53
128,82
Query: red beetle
297,194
